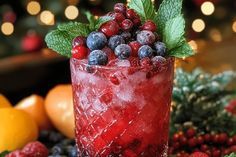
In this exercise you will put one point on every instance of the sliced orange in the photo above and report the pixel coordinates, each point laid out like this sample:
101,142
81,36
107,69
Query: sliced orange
59,106
34,105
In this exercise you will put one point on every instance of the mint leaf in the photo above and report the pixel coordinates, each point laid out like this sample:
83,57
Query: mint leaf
144,8
168,9
60,41
75,28
101,20
182,51
173,32
91,19
4,153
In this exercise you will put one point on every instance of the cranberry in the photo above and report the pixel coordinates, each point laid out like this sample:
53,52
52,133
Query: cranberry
119,17
79,52
145,61
150,26
192,142
190,132
215,138
110,28
137,21
207,137
200,140
127,25
216,153
183,140
230,141
79,41
120,8
110,53
204,147
134,47
131,14
223,137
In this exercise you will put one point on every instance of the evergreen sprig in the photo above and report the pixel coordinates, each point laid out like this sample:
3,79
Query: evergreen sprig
199,99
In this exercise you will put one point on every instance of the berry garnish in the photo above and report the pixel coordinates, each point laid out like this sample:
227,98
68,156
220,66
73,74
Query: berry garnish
123,51
79,41
120,8
115,40
97,57
134,48
145,61
146,37
157,60
198,154
127,25
96,40
160,48
16,153
131,14
79,52
145,51
35,149
110,28
119,17
126,36
110,53
150,26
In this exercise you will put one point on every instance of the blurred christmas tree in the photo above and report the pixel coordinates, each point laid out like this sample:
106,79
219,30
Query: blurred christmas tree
24,23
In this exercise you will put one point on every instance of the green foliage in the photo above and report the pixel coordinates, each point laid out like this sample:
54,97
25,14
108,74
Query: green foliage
231,155
199,98
4,153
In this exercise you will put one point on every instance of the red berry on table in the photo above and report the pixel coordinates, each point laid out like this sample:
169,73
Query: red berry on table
127,25
134,48
136,21
207,137
192,142
16,153
183,140
131,14
230,141
79,41
79,52
110,28
120,8
204,147
190,132
119,17
150,26
200,140
35,149
198,154
216,153
223,137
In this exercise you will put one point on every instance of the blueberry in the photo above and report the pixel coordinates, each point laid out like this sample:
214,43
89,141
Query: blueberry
115,40
72,151
55,137
126,35
123,51
57,150
145,51
97,57
158,60
146,37
96,40
160,48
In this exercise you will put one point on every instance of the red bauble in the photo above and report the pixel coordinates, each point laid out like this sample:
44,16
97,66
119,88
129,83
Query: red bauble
32,42
231,107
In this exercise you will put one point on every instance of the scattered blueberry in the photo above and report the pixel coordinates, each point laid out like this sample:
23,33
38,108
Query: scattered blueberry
97,57
57,150
115,40
126,35
145,51
160,48
72,151
55,137
96,40
146,37
123,51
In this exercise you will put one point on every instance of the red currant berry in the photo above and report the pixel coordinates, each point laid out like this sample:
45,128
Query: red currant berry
204,147
150,26
134,48
79,41
192,142
119,17
110,54
120,8
127,25
110,28
183,140
223,137
190,132
79,52
216,153
131,14
230,141
200,140
207,137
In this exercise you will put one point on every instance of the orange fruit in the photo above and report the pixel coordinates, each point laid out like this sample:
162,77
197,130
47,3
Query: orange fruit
17,128
4,102
59,106
34,105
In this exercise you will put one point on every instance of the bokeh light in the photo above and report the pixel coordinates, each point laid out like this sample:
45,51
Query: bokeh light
7,28
47,17
71,12
33,8
193,44
207,8
215,35
198,25
234,26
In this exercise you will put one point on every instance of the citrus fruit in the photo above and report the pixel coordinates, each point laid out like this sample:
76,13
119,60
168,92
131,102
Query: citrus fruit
4,102
59,106
34,105
17,129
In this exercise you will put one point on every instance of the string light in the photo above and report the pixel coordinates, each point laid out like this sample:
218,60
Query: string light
193,44
198,25
71,12
7,28
215,35
47,17
33,8
207,8
234,26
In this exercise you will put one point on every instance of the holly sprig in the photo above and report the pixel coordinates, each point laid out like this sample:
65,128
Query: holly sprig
169,20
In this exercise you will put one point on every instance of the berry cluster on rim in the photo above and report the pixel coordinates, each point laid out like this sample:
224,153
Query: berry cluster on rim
122,37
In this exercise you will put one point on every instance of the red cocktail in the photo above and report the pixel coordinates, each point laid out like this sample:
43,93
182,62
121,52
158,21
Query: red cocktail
122,110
